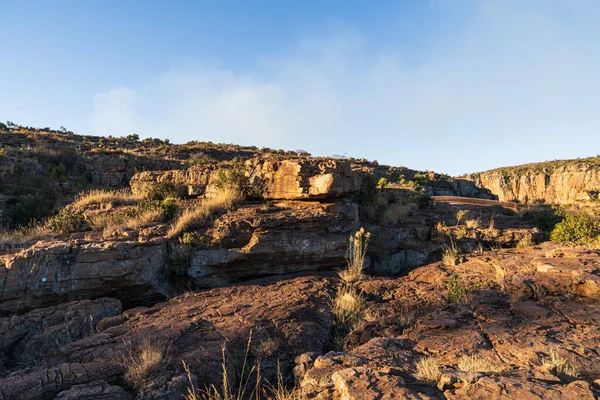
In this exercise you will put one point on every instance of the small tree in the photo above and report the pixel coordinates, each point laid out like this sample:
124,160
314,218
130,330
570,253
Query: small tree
383,183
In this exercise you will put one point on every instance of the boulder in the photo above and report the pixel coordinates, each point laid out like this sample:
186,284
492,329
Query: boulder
49,273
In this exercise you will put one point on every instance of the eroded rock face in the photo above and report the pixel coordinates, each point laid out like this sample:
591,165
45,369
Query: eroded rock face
50,273
40,333
283,319
285,237
304,178
560,185
517,307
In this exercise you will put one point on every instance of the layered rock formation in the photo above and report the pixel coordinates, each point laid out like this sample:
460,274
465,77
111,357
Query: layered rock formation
302,178
564,183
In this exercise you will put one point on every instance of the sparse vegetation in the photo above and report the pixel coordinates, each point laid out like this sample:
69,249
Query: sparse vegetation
357,251
105,199
224,199
476,363
450,253
560,366
460,215
428,370
140,361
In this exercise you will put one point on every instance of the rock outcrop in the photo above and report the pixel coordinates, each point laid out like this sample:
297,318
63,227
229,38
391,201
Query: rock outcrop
280,238
545,183
50,273
302,178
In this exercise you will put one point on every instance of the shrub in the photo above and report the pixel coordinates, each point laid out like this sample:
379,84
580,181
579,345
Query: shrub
347,307
191,239
383,183
138,363
428,370
169,208
577,226
164,189
368,191
473,223
456,289
66,221
234,179
543,217
450,254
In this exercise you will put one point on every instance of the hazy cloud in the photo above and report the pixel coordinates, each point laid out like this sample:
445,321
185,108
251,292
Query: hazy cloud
510,80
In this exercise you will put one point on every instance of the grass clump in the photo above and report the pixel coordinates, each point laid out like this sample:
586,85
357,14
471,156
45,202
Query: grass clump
139,362
460,215
347,307
357,251
223,199
560,366
106,198
475,363
428,370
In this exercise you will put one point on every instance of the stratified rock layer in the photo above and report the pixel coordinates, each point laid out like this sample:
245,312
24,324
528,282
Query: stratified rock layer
305,178
280,321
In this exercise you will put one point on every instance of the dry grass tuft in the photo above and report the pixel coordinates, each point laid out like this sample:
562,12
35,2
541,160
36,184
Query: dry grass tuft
138,363
106,198
224,199
476,363
357,251
428,370
560,366
348,305
397,213
473,223
460,215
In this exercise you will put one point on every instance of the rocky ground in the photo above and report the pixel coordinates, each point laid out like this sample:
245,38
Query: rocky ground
514,323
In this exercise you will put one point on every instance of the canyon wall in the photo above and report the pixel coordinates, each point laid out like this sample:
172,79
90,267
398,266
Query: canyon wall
564,184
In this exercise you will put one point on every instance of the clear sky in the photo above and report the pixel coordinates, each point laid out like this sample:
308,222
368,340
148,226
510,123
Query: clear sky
453,86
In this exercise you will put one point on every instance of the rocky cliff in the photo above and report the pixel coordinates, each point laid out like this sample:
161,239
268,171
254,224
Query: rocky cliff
560,182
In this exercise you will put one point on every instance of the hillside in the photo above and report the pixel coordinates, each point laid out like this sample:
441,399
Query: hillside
163,271
42,170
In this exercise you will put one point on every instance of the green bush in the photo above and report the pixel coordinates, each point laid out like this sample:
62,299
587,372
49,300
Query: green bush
169,208
67,221
543,217
235,178
456,289
164,190
577,226
383,183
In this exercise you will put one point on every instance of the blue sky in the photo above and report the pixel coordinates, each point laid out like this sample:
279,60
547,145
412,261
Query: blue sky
453,86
